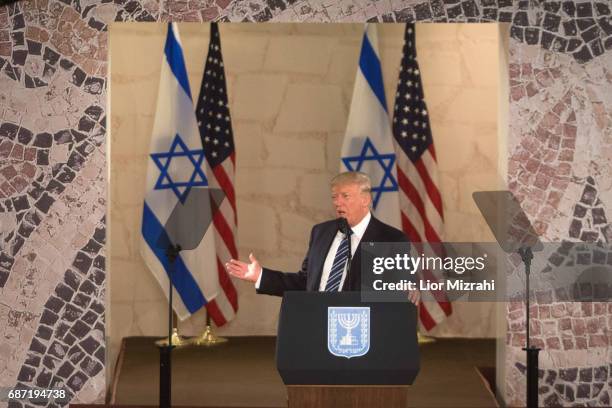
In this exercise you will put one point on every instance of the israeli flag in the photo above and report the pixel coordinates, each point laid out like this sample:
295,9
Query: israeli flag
175,166
368,141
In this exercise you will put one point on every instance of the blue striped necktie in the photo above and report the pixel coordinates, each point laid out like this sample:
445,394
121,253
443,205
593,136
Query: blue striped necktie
335,275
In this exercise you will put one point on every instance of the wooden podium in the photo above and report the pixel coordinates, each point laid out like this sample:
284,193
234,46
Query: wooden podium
347,396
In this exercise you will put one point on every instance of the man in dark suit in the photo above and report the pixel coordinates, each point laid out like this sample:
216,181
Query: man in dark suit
325,266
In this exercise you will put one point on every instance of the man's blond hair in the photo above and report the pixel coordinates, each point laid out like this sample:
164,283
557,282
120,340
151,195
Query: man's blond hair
353,177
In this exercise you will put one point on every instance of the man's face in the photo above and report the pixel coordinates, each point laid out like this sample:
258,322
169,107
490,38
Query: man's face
350,202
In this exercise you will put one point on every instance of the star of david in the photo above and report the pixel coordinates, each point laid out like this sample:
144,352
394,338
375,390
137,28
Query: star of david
181,188
388,183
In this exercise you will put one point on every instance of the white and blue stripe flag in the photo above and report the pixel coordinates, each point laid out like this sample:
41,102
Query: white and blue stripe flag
176,164
368,141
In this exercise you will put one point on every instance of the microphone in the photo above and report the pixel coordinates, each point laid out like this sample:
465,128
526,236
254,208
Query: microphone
343,226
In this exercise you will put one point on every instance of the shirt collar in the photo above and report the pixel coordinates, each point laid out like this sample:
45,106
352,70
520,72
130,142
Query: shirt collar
359,229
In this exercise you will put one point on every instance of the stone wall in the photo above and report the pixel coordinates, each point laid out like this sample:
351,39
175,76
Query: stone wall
289,96
559,167
53,88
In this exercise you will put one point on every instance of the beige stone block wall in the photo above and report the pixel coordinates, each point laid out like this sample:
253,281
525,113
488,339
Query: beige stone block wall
290,87
461,89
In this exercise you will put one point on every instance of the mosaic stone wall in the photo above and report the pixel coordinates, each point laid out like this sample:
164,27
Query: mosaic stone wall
52,142
560,167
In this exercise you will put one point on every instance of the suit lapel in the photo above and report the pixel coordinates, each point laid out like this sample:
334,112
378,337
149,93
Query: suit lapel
370,235
322,247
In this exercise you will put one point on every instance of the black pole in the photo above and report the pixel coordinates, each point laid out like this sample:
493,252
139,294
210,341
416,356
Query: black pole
165,379
531,352
532,377
527,256
170,293
165,352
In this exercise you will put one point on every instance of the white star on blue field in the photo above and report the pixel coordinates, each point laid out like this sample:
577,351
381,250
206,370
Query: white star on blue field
180,187
368,153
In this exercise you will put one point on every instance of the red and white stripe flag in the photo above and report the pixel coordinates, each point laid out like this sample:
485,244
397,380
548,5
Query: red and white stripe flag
417,174
215,125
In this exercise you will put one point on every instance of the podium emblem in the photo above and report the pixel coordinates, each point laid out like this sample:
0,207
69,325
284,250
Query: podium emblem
348,331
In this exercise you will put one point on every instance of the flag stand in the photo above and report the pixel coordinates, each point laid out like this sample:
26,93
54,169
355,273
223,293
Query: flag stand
176,339
422,339
208,338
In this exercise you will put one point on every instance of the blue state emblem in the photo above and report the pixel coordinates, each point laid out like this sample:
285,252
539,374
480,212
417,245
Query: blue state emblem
348,331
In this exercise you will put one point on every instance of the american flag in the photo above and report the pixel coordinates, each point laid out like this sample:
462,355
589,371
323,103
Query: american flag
214,122
420,200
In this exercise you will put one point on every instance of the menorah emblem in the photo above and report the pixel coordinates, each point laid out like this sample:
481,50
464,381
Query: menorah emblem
348,321
348,332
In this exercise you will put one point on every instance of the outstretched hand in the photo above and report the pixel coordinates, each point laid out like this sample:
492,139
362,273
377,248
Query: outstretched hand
242,270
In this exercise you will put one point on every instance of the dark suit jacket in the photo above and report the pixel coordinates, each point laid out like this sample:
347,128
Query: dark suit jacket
321,238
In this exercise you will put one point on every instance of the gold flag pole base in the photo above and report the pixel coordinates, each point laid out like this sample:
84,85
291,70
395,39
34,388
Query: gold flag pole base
208,338
422,339
177,340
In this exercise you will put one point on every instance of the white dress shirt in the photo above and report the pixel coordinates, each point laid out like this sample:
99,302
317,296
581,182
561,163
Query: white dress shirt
358,231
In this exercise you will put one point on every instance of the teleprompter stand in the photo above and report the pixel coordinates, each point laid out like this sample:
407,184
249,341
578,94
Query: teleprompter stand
514,234
165,360
184,230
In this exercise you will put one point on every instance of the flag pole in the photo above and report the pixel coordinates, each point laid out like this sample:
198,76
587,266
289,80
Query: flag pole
208,338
